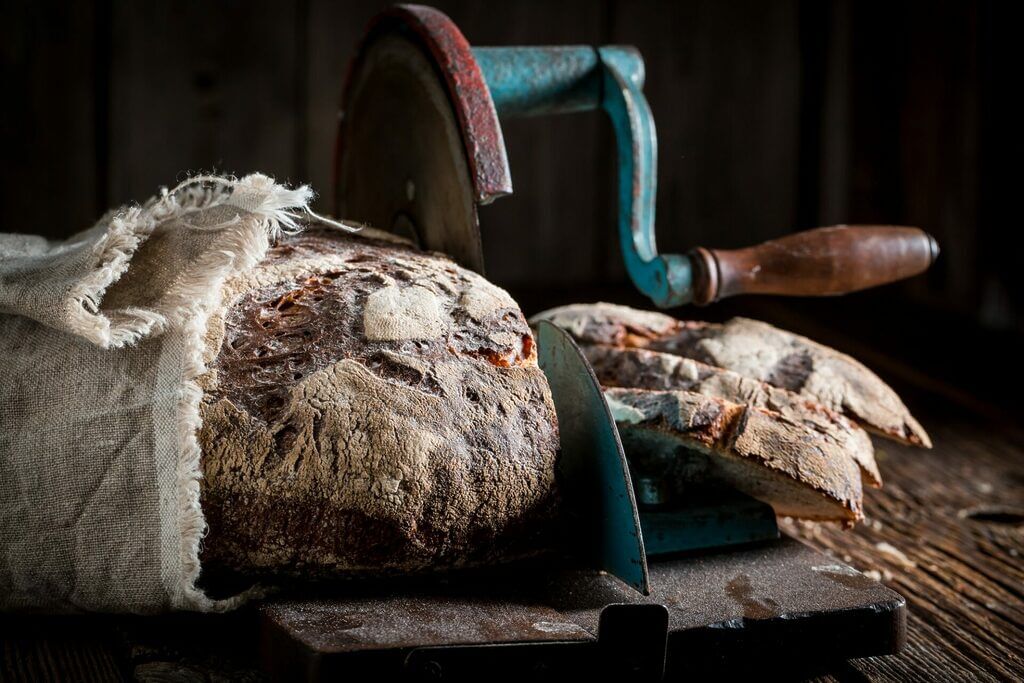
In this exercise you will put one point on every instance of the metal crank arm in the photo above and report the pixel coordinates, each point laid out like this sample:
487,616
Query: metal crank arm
531,81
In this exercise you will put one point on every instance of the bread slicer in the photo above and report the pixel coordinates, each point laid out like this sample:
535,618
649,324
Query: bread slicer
419,150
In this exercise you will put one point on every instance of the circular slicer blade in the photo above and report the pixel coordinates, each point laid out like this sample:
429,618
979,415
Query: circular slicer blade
403,162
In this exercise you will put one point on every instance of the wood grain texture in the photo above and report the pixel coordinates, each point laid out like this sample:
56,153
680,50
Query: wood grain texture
723,82
946,531
52,123
330,31
197,87
556,231
899,126
57,649
912,77
528,234
819,262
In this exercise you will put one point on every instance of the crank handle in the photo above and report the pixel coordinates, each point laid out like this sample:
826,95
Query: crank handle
820,262
545,80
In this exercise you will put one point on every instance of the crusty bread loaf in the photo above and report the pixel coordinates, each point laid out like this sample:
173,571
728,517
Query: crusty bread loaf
642,369
370,407
756,350
700,439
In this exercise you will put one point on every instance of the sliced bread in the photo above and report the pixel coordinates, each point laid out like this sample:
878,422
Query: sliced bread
706,440
756,350
642,369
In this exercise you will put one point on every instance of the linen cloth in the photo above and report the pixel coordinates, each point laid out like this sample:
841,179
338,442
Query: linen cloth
101,343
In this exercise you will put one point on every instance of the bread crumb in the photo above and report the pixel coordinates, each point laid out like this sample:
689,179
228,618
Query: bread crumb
883,575
896,554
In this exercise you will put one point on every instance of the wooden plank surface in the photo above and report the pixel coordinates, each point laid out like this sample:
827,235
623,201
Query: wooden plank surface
36,656
723,82
946,531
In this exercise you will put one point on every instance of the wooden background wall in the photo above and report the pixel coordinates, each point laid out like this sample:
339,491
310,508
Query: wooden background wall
772,116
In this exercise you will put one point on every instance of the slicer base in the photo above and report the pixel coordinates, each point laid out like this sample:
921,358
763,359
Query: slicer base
763,608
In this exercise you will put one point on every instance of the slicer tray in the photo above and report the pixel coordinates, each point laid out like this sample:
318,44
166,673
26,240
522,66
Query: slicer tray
762,607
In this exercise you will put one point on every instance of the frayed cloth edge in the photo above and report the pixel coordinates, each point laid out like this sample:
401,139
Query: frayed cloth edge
275,208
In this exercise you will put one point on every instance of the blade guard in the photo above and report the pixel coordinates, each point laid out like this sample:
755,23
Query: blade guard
470,99
592,468
419,146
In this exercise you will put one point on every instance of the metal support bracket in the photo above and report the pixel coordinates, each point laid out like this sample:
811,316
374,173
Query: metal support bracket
666,278
533,81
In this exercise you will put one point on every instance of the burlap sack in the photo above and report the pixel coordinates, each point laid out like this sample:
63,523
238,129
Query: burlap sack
101,340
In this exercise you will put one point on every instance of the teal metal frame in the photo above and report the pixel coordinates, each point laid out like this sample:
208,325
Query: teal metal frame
708,518
532,81
592,469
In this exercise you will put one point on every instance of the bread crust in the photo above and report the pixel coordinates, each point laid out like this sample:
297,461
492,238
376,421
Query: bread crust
756,350
372,408
644,369
764,454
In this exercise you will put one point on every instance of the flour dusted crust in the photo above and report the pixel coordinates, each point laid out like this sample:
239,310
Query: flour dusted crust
756,350
610,324
370,407
706,440
642,369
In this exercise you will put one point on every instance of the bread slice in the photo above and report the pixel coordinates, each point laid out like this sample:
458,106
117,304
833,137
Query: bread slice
694,438
756,350
642,369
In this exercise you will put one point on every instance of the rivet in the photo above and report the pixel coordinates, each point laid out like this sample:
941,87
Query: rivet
432,669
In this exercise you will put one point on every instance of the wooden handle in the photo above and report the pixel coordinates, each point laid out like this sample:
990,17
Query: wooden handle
820,262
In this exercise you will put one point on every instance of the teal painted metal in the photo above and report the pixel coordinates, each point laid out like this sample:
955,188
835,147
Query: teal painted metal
531,81
708,519
592,470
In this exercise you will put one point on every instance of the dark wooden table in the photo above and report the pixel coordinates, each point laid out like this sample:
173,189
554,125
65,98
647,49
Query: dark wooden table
946,531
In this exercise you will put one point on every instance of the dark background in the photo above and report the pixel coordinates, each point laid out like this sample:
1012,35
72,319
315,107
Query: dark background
772,117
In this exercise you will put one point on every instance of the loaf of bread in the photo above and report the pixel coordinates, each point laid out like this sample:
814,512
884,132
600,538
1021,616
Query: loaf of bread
372,408
755,350
694,438
642,369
